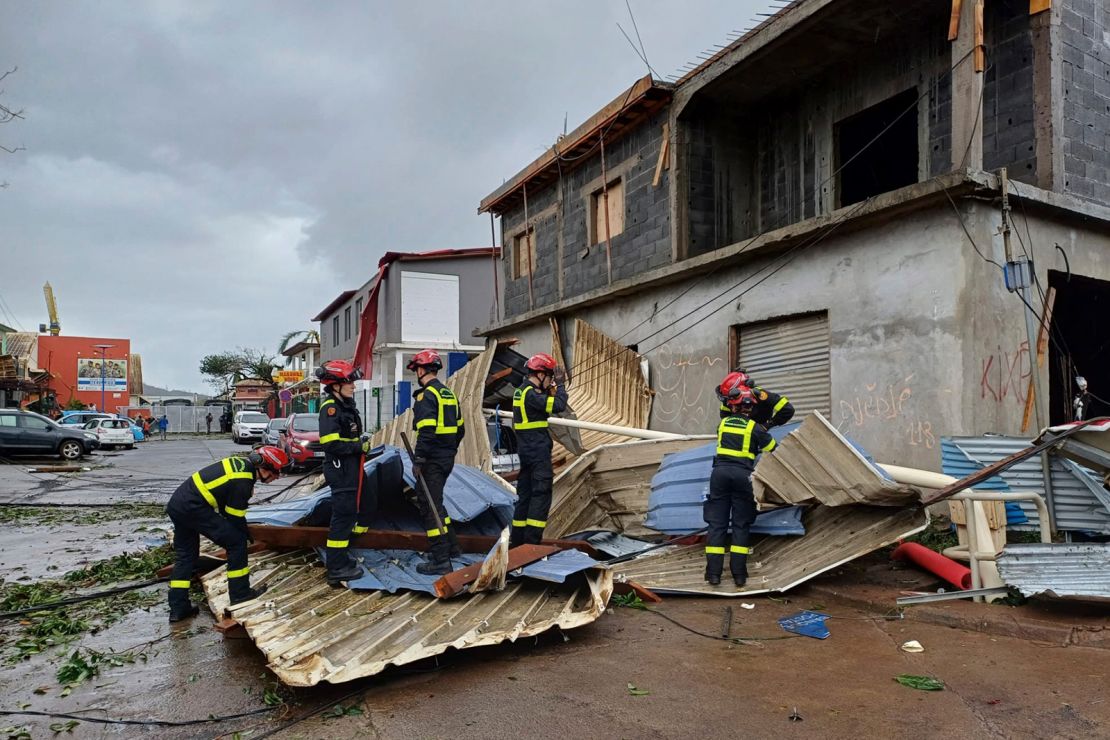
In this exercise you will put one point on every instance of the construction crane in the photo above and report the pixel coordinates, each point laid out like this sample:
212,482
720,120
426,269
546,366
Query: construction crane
52,308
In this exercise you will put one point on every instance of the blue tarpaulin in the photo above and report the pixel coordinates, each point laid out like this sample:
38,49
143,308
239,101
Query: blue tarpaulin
806,623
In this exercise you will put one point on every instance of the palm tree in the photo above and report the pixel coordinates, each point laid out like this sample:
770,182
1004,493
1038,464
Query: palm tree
293,337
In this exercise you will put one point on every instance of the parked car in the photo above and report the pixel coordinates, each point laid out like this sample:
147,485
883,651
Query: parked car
272,435
301,440
24,433
112,432
81,418
248,426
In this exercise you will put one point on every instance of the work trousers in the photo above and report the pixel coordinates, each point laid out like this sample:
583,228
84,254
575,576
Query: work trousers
351,510
442,543
533,498
190,521
730,501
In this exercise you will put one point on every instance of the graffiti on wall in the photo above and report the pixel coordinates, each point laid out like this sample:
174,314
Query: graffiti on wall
684,390
891,406
1005,375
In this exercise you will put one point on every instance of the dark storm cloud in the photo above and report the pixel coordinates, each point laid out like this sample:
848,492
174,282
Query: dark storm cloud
202,175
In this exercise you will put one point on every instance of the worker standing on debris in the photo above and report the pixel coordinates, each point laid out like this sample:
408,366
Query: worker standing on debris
438,423
213,502
771,409
540,397
731,499
345,448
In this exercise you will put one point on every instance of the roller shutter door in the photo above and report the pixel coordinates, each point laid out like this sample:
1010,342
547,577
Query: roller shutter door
790,357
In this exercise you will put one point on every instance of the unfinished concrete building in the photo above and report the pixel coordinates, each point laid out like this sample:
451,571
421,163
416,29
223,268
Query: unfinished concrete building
821,203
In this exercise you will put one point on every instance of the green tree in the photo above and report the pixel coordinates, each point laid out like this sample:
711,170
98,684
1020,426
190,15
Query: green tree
293,337
222,370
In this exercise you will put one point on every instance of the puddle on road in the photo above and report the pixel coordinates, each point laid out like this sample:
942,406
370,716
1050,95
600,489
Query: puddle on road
36,552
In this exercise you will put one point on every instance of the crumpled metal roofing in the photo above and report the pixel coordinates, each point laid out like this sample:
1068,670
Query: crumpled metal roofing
834,535
1079,501
310,632
817,464
1074,570
468,494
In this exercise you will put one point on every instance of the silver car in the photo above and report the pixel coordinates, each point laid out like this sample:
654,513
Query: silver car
272,435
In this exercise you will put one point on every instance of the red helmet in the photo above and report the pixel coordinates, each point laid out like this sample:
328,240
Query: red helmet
338,371
269,457
541,363
744,377
744,400
732,386
425,358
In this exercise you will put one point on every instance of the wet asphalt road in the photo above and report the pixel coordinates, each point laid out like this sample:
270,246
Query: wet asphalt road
546,687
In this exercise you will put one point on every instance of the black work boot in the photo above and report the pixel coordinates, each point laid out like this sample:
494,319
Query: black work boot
713,579
455,551
738,564
239,596
180,613
349,572
434,567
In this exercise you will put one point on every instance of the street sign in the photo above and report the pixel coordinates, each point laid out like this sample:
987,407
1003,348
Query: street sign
285,396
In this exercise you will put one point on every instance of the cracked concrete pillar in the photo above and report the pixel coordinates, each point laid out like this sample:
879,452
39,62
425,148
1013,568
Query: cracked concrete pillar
967,92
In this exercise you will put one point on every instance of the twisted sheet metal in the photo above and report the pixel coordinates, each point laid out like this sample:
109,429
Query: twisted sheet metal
1076,570
310,632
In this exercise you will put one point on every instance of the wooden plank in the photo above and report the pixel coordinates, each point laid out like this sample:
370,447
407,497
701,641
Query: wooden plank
954,20
231,630
980,44
1039,6
1042,354
631,587
296,537
664,151
455,583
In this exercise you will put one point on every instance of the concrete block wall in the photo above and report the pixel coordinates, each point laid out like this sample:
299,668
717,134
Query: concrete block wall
1009,137
566,264
1085,53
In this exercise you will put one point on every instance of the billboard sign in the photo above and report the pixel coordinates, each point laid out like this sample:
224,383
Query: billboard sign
290,376
90,373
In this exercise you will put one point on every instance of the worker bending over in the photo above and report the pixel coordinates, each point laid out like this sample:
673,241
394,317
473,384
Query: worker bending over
731,500
213,502
540,397
771,409
345,449
438,423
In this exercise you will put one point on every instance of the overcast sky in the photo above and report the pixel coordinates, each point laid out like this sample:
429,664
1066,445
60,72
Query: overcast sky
205,175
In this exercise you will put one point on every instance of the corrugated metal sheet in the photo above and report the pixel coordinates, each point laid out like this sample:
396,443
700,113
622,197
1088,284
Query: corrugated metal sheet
834,535
609,486
558,567
310,632
1076,492
790,356
816,464
1078,570
606,385
468,385
21,345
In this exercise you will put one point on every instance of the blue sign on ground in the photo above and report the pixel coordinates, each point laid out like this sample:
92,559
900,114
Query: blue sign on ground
806,623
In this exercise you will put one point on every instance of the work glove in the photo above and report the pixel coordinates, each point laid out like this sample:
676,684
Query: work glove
365,440
417,468
560,375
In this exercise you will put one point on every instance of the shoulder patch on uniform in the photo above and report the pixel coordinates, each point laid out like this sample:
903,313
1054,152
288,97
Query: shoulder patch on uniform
331,410
420,396
763,395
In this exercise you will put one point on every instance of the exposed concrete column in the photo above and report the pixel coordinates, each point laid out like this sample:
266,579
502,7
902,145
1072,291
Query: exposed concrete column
1048,98
679,188
967,93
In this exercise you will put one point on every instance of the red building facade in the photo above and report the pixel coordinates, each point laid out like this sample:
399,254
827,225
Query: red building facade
79,369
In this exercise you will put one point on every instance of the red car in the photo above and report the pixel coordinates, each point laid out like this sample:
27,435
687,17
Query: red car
301,440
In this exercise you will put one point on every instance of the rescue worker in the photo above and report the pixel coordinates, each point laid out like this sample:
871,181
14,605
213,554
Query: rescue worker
345,448
540,397
731,500
771,409
213,502
439,427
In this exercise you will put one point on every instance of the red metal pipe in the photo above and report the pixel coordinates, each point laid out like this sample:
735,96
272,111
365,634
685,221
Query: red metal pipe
939,565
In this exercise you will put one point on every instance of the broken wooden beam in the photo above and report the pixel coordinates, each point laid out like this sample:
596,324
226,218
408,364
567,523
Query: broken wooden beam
295,537
455,583
231,630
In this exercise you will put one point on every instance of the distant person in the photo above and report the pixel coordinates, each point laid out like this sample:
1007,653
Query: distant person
208,422
163,425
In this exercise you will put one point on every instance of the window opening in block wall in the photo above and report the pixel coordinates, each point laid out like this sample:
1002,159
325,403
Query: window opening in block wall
869,165
609,199
524,244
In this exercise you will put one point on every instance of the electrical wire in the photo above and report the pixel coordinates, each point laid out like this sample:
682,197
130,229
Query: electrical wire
82,598
146,722
699,633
